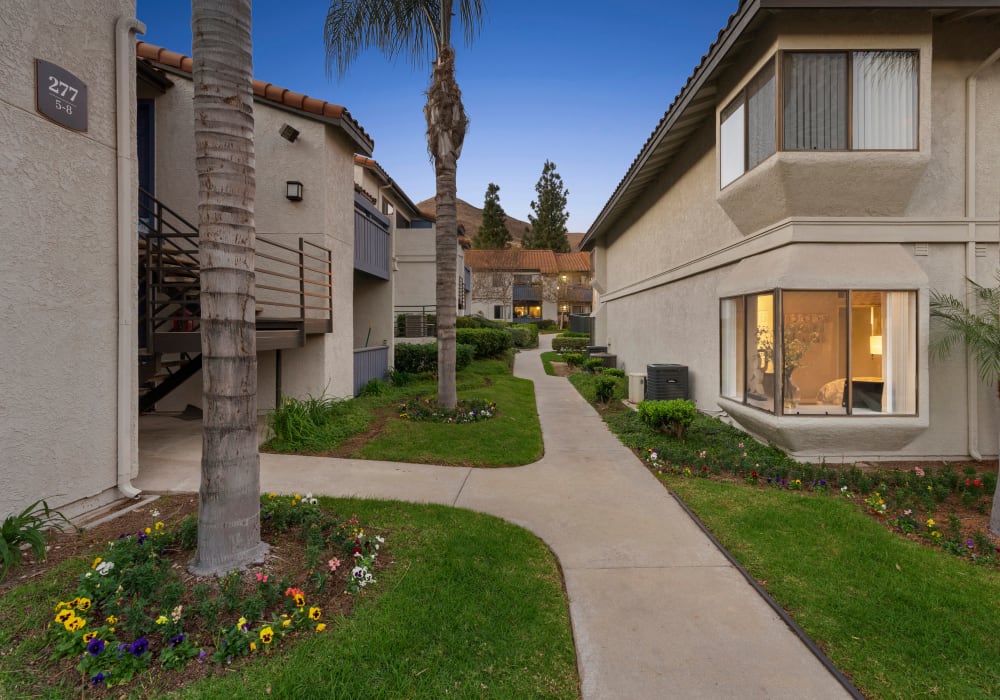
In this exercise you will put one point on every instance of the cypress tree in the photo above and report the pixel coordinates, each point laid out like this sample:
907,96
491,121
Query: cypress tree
493,233
548,224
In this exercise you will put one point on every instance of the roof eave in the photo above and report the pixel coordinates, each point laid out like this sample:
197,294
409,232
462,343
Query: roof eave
738,24
741,20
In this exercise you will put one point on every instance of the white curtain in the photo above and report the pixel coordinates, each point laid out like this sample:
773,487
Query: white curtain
885,100
732,154
732,384
899,353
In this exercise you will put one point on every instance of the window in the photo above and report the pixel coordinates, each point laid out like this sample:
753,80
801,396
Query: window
497,311
793,351
830,101
748,127
849,100
527,311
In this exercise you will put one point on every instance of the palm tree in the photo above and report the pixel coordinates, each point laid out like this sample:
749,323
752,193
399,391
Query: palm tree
419,28
229,497
979,329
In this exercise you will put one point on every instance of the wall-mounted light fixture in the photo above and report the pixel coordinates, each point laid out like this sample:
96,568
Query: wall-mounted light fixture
288,132
875,345
293,190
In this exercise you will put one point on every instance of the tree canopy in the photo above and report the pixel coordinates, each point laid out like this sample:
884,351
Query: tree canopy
548,223
493,233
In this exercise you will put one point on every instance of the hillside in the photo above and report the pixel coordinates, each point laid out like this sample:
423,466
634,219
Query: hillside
470,218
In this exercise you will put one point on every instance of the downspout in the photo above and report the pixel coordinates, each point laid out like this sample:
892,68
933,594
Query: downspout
124,89
972,378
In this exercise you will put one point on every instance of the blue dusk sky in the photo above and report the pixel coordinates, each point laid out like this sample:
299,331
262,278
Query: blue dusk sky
580,83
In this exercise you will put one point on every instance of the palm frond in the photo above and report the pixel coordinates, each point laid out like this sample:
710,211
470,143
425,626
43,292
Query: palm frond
410,28
975,324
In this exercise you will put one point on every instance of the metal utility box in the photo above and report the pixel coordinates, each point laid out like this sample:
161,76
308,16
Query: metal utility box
636,387
665,382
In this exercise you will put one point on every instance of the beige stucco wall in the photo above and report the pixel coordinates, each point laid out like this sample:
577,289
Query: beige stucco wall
416,272
58,266
322,159
660,266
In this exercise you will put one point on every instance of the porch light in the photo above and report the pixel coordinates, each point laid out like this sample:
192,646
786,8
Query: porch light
293,190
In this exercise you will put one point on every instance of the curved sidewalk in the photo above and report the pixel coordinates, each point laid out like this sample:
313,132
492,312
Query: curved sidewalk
657,610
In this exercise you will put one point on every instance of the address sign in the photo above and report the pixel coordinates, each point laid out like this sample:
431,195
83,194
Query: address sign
60,96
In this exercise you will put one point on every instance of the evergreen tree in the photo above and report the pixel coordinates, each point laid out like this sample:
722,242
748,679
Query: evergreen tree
548,224
493,233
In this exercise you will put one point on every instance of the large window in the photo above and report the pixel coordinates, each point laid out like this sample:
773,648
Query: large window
829,101
849,100
821,353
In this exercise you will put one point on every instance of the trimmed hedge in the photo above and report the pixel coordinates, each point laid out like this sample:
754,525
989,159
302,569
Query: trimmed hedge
488,342
524,335
418,358
477,322
562,344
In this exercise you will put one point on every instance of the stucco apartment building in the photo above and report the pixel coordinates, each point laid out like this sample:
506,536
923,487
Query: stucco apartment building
414,252
522,285
98,279
826,166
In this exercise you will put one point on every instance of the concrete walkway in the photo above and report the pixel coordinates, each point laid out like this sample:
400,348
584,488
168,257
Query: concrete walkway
657,610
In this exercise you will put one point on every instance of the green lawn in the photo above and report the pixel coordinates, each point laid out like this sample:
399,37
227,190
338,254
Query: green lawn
512,437
901,619
472,606
548,358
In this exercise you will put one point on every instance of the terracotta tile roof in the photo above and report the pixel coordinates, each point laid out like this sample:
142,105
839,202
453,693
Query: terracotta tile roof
544,261
266,91
573,262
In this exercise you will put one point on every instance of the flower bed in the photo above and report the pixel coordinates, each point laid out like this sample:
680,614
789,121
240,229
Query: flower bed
470,411
136,610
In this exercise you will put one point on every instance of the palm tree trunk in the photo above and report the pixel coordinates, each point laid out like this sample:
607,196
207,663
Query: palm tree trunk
229,497
446,241
446,125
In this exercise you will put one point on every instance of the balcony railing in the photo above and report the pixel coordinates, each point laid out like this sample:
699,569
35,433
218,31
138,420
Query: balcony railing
370,363
294,284
578,293
371,239
415,321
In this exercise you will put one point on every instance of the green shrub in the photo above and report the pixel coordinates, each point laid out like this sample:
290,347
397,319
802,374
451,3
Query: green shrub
524,335
488,342
594,365
464,354
420,358
562,344
614,372
604,389
573,334
400,378
477,322
669,416
544,325
27,528
416,358
574,359
374,387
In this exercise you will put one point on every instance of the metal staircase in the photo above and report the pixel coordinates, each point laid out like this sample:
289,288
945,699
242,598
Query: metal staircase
293,296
